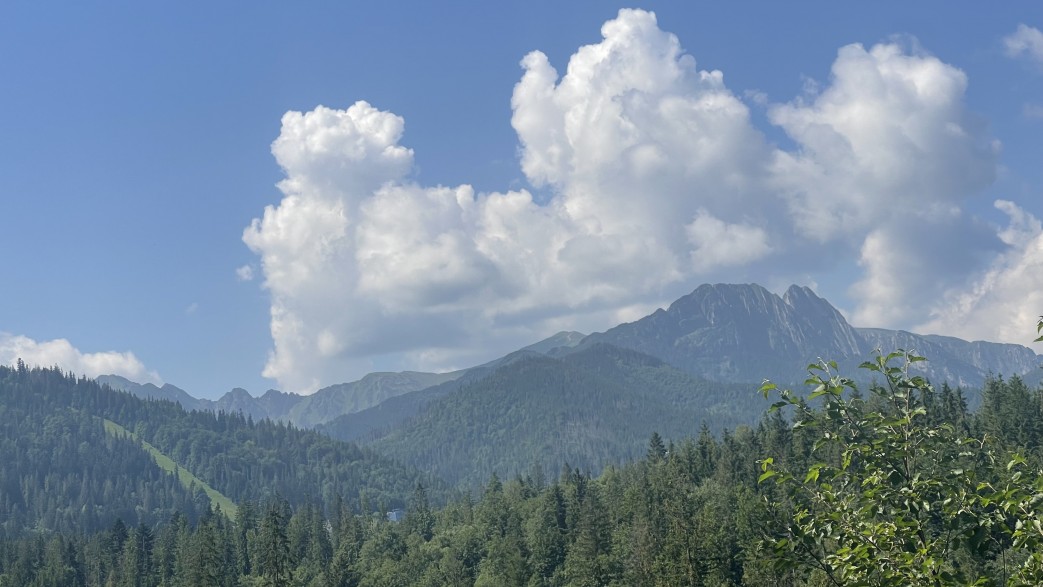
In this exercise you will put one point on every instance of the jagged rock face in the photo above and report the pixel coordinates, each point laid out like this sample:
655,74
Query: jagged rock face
956,361
746,333
277,403
739,332
822,326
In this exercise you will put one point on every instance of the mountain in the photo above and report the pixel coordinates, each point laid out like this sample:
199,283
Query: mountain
560,341
168,392
347,398
958,361
745,333
724,333
304,411
274,404
596,406
377,420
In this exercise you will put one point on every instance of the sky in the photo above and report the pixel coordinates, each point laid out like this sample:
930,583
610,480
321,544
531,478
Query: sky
291,195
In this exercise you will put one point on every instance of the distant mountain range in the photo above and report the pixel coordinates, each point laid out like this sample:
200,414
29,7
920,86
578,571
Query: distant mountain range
590,400
724,332
305,411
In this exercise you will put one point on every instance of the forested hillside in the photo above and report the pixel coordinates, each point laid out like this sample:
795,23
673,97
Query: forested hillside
587,409
62,471
702,511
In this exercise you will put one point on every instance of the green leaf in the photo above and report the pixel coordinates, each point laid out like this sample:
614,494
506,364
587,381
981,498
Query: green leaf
767,387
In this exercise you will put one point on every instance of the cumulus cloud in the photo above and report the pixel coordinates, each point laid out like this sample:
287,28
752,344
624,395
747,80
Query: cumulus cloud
1004,302
719,243
889,136
658,180
245,273
1025,42
888,157
60,352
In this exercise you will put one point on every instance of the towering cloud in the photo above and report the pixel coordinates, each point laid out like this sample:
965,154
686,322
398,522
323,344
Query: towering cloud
658,180
888,155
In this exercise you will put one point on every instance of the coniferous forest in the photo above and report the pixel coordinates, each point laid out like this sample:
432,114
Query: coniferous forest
894,484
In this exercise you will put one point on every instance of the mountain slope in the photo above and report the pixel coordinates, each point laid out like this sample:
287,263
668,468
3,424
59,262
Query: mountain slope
347,398
377,420
184,476
590,408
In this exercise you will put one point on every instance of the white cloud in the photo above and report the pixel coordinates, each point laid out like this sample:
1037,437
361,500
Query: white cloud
1025,41
658,180
61,353
888,154
889,136
245,273
911,264
1005,301
718,243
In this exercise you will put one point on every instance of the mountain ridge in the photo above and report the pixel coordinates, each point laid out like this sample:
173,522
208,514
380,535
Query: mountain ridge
728,332
720,332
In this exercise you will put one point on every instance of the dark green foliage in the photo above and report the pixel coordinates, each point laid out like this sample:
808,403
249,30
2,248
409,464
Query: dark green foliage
274,549
590,408
895,496
656,448
63,472
691,512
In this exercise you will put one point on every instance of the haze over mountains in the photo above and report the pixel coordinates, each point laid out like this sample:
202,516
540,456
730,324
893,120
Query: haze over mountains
724,332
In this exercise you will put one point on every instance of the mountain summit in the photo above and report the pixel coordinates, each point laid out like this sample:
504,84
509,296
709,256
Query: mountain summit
728,332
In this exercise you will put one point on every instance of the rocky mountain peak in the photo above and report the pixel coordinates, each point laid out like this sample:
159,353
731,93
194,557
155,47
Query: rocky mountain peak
744,332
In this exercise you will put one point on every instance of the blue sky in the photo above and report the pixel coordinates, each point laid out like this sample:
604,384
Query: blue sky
140,140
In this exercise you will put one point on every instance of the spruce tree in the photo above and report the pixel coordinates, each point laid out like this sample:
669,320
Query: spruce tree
274,553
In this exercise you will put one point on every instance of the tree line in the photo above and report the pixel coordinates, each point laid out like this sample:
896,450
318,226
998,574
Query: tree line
899,484
63,472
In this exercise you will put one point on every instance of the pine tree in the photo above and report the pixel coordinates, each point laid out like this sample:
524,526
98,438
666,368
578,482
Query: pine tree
419,519
245,522
274,547
656,448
